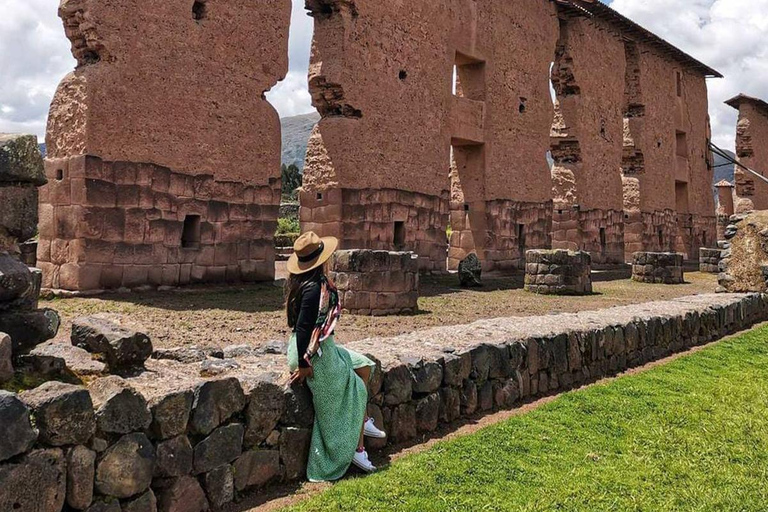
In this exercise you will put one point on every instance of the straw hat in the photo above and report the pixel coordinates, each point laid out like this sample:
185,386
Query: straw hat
310,251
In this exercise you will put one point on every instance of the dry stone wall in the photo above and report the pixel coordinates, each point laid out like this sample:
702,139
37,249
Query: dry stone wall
744,259
657,267
195,444
376,282
709,260
558,272
165,142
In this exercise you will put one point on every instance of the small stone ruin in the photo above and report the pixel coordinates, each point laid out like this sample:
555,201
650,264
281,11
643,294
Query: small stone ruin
657,267
470,272
709,260
558,272
376,282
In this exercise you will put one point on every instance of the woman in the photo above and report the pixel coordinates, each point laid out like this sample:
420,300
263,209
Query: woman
337,377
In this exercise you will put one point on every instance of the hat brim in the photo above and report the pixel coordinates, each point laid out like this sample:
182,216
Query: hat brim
330,244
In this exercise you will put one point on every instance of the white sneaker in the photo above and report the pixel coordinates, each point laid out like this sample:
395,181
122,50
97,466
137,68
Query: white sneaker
361,460
371,430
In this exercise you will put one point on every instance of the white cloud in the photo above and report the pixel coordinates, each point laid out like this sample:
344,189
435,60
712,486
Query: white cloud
728,35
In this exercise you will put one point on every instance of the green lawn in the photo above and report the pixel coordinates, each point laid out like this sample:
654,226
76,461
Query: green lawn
689,435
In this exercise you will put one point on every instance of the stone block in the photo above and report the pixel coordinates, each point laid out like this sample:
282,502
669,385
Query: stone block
224,445
299,410
182,494
75,359
120,409
266,404
126,468
219,486
18,434
170,413
214,403
80,474
120,346
294,451
63,413
36,482
146,502
426,375
398,385
256,468
174,457
428,413
6,358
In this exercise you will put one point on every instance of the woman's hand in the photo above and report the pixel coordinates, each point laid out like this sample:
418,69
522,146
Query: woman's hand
302,374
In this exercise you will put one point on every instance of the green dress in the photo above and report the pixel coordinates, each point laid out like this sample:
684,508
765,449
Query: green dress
339,397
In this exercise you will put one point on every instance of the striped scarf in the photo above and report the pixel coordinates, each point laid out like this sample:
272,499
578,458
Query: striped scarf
327,317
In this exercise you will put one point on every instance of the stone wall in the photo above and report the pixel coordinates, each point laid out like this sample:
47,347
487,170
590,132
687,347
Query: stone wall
165,436
709,260
21,173
657,267
112,225
162,125
750,193
558,272
376,282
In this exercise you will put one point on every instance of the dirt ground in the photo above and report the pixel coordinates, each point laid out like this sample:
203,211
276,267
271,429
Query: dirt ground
253,314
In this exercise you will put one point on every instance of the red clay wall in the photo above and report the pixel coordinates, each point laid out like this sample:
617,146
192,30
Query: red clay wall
588,77
752,131
167,106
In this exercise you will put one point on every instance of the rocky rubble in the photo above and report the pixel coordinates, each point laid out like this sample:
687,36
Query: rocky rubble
744,258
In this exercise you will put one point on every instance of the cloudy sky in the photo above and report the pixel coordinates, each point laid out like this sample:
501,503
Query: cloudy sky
729,35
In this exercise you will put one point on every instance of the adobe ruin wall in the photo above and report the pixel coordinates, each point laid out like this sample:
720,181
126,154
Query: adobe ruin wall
750,193
152,166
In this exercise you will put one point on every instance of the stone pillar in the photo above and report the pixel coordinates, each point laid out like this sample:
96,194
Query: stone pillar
376,282
657,267
558,272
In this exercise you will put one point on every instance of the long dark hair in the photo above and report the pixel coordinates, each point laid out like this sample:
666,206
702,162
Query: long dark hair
293,290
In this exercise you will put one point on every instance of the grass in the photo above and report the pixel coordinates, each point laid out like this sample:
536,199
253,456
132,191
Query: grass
689,435
220,316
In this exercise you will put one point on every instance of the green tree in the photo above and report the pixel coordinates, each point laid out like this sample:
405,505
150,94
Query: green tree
291,180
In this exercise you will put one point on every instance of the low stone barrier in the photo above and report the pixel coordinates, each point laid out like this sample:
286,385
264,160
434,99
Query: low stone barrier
376,282
167,438
657,267
709,260
558,272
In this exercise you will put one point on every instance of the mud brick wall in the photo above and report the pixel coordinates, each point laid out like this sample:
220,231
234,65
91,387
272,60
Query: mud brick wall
657,267
709,260
109,225
381,220
376,282
513,228
558,272
750,193
141,136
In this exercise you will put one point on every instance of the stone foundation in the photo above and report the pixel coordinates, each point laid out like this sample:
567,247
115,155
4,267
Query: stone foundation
510,229
194,443
382,220
376,282
109,225
558,273
657,267
709,260
598,232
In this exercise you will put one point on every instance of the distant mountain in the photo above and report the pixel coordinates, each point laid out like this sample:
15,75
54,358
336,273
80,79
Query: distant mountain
296,132
42,149
723,169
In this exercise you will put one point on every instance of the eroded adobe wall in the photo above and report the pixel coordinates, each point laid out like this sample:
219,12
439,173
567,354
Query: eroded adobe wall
380,78
587,138
517,41
164,117
751,193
